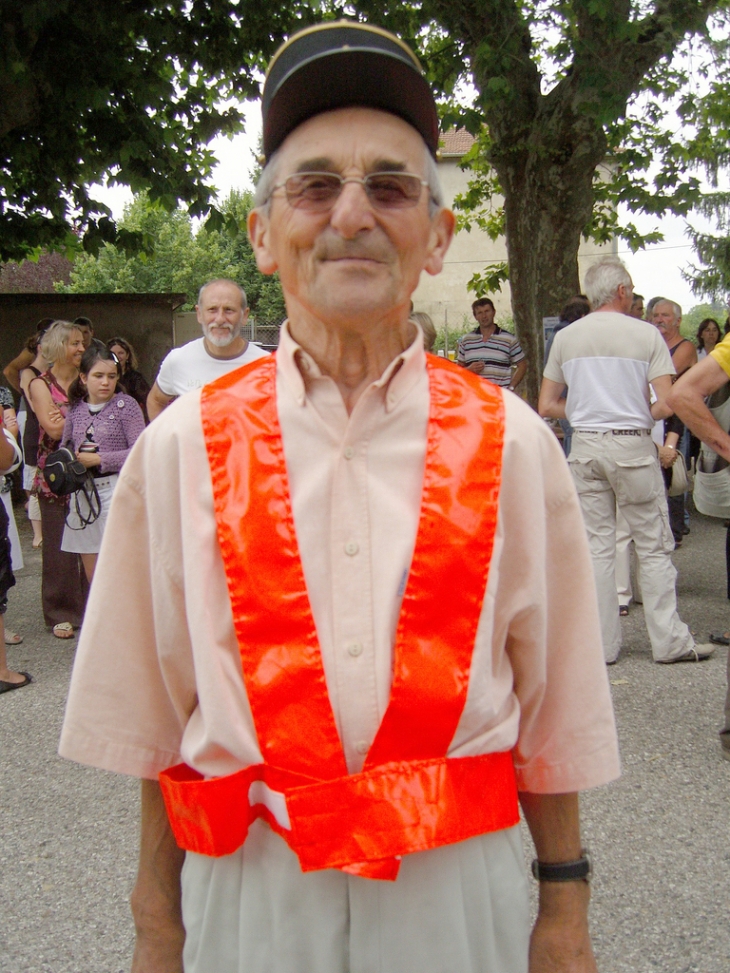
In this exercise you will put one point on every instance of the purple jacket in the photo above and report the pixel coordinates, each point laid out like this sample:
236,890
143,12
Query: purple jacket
116,429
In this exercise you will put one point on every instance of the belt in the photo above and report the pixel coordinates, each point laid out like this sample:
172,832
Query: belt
615,432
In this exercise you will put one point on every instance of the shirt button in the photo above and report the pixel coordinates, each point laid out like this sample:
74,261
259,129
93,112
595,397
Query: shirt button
362,747
355,648
349,452
351,548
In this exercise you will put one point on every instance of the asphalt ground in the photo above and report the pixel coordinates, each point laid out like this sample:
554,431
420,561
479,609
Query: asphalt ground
660,836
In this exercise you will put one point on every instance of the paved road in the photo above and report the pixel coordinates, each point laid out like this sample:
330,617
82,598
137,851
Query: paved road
660,836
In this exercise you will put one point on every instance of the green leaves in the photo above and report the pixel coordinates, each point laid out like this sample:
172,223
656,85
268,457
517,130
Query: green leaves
135,88
157,250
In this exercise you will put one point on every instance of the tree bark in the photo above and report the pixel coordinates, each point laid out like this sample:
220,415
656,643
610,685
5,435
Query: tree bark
548,191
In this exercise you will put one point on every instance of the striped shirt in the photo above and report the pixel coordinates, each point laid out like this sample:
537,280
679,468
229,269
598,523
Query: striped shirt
501,353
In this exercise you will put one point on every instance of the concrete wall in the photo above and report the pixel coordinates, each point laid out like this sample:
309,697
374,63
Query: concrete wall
146,324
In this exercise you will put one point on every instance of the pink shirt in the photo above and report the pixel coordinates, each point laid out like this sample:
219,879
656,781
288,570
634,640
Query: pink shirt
167,685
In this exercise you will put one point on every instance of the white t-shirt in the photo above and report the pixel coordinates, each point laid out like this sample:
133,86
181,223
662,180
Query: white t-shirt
607,360
190,367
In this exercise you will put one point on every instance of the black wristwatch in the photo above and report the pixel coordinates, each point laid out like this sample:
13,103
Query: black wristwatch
579,870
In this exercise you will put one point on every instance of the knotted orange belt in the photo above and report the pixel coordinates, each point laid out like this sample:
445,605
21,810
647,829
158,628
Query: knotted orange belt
409,796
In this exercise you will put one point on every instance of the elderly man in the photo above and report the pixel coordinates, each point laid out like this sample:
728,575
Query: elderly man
352,751
608,361
222,311
688,399
490,351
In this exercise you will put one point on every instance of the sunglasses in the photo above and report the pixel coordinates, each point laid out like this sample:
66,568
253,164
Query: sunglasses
317,192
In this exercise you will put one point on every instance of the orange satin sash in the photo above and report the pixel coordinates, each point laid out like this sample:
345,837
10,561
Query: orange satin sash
409,795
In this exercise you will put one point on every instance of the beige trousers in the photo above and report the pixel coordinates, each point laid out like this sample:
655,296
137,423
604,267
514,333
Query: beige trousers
461,908
622,471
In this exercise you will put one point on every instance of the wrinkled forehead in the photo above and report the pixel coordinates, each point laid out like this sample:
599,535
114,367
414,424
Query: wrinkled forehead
221,294
365,138
664,307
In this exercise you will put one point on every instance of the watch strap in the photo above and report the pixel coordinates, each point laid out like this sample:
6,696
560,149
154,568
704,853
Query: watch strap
579,870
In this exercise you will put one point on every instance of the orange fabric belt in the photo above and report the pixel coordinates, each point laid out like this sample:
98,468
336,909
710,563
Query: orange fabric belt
372,817
409,796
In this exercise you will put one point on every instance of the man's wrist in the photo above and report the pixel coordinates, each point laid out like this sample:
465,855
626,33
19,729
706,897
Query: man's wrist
576,870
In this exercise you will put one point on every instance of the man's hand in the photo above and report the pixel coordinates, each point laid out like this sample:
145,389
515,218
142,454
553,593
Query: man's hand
667,456
476,366
560,942
155,900
687,398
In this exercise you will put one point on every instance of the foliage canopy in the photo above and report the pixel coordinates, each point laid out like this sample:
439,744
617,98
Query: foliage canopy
179,258
553,90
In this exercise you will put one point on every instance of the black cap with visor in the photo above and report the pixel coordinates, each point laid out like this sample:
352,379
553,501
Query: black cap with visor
338,65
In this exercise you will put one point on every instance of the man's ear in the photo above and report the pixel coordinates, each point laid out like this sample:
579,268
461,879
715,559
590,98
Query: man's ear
441,234
258,234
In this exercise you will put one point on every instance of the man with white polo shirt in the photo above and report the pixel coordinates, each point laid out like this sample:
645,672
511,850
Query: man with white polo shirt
608,361
222,311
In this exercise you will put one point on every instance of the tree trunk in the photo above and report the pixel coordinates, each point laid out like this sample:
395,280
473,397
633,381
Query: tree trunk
547,179
547,206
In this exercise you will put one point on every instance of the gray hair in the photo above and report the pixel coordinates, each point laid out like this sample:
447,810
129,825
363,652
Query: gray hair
674,306
650,305
225,280
603,279
267,182
54,341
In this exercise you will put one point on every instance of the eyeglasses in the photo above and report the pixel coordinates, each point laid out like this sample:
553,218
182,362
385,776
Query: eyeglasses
317,192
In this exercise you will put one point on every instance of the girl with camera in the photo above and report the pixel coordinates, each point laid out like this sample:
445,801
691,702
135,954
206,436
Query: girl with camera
101,427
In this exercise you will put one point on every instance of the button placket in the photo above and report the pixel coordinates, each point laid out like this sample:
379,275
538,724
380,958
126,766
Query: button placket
352,595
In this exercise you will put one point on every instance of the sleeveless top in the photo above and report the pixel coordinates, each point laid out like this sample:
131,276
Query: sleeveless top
46,444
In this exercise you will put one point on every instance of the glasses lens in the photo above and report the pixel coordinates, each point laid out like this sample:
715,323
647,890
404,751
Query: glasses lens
393,189
313,190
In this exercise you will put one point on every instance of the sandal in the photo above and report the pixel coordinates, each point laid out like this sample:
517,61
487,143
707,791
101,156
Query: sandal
720,638
6,687
623,610
12,638
63,630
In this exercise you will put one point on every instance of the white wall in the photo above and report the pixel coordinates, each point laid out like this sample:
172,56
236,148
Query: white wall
446,297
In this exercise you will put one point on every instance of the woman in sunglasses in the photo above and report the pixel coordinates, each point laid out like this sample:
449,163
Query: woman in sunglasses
101,427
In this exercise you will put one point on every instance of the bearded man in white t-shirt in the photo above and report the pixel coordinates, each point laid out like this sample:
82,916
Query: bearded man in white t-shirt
608,361
222,311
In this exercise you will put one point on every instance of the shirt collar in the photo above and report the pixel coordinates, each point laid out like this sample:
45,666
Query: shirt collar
297,368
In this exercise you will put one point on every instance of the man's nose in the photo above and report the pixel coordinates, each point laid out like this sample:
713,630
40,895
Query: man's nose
353,211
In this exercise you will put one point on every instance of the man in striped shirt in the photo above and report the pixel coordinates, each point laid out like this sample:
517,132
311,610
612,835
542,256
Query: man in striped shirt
490,351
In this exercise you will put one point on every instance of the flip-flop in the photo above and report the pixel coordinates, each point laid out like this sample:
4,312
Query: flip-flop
623,610
6,687
12,638
63,630
720,638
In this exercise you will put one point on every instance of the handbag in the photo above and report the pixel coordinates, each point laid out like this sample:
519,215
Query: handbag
63,473
66,476
680,480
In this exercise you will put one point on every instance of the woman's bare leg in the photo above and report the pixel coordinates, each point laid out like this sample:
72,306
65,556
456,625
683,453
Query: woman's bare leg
89,563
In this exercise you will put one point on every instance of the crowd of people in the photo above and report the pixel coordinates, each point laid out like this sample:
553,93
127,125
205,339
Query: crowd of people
77,392
73,392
